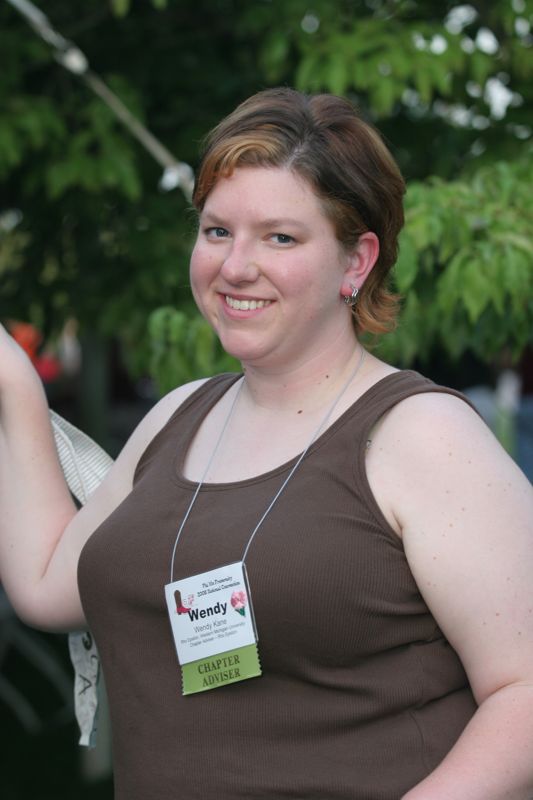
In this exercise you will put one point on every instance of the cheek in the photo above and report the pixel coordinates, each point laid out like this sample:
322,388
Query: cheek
294,272
193,274
199,281
200,269
315,276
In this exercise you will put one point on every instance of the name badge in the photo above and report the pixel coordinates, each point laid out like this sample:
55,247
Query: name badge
213,628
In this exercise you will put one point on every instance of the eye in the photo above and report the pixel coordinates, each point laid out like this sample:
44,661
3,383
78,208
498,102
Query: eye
216,233
282,238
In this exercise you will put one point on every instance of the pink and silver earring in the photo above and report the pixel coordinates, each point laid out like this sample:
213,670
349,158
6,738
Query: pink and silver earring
351,299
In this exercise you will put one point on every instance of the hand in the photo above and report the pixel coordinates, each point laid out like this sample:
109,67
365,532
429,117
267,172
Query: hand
16,369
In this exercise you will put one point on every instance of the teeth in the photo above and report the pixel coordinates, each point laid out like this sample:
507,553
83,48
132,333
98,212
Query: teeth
246,305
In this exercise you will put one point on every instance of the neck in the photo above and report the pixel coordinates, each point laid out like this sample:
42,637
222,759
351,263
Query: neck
307,385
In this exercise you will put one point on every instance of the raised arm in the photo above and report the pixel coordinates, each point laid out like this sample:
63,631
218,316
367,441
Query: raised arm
41,532
465,513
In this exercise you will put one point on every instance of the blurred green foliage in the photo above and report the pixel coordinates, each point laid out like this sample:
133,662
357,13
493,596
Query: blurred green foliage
466,265
184,346
98,240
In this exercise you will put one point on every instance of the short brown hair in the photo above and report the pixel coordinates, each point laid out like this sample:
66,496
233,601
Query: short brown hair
323,139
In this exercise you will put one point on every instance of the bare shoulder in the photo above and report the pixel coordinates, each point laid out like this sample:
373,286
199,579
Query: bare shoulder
433,450
440,429
424,408
449,462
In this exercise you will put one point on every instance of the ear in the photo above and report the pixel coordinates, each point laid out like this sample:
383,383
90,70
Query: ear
360,262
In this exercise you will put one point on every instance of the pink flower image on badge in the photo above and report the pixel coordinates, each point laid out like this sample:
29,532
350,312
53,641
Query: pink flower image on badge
238,600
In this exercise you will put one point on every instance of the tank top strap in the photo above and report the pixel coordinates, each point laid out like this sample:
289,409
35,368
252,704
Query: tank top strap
386,393
390,391
200,402
174,438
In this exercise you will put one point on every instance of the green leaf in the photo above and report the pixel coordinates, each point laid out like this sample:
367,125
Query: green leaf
423,80
176,328
120,7
424,226
274,55
308,73
449,285
10,148
518,240
406,267
481,67
441,75
203,344
384,95
475,289
518,278
361,72
336,74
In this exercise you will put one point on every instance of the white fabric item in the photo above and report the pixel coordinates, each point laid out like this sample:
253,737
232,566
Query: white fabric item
84,465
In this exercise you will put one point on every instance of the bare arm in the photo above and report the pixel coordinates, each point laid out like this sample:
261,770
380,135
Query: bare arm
41,532
465,513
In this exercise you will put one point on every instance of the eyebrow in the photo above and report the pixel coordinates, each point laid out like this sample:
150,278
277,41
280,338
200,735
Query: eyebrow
208,215
276,222
271,222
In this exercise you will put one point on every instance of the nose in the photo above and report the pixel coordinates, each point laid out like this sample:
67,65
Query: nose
239,265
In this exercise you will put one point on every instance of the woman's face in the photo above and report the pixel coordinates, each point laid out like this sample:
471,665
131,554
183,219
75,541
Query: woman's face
267,271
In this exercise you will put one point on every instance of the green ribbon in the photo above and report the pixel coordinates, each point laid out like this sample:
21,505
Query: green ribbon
221,669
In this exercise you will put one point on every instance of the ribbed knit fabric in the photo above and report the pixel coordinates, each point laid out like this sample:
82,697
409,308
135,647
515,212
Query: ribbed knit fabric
361,695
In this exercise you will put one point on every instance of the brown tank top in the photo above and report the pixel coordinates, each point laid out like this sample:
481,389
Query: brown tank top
361,695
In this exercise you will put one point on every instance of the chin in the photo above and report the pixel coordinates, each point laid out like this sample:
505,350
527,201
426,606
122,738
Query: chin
241,350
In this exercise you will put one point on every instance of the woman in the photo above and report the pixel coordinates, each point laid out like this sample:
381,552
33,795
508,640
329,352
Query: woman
385,534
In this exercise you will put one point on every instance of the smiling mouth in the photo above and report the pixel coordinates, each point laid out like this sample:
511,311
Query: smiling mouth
246,305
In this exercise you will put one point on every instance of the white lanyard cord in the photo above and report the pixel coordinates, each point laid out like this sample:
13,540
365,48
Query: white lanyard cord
202,479
302,456
287,479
